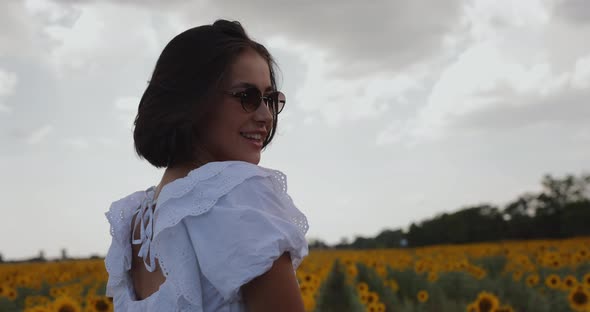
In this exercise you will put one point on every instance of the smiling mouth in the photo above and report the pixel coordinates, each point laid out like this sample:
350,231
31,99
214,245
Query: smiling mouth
256,139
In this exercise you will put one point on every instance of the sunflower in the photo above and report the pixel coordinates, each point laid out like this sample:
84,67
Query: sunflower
66,304
351,270
376,307
99,303
32,301
432,276
9,293
583,253
392,284
364,297
553,281
372,297
569,283
479,274
579,299
362,287
586,280
504,308
556,264
516,276
422,296
532,280
371,308
472,307
487,302
420,267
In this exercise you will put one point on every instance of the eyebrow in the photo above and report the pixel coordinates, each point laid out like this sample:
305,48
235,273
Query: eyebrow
249,85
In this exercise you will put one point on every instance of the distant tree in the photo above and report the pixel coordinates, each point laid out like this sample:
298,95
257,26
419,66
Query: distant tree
316,243
389,239
561,209
95,256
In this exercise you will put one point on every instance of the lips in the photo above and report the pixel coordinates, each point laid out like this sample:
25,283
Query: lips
257,143
262,133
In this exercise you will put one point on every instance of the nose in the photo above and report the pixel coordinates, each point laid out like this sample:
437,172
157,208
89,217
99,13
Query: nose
263,113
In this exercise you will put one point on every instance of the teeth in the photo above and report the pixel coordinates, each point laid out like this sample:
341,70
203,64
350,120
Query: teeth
254,136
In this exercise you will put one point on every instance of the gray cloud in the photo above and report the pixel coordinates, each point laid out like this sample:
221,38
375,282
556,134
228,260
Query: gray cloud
576,11
16,32
567,109
360,37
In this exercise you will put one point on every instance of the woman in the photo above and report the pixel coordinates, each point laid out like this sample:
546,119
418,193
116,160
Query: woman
219,232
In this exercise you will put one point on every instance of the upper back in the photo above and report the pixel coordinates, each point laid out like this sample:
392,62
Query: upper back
145,283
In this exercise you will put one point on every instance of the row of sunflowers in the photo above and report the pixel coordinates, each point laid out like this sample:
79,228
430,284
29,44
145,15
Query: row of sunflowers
536,276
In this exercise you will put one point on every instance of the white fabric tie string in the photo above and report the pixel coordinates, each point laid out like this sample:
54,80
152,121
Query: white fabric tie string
145,231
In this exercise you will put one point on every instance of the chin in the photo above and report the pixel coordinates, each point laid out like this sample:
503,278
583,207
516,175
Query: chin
253,159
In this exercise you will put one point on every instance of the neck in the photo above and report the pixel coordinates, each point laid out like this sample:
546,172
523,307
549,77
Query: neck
173,173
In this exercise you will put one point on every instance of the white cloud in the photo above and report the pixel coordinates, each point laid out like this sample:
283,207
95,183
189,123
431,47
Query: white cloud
485,76
487,18
126,110
308,120
5,108
363,38
395,132
106,142
581,74
90,43
39,135
507,66
53,12
78,143
17,31
8,83
339,100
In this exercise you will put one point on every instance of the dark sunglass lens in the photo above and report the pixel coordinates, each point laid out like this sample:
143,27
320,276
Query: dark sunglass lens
251,100
280,100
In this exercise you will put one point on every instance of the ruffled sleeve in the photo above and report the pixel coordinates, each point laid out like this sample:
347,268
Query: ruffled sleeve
118,258
246,231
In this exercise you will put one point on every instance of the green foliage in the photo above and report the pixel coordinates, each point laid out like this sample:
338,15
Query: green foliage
458,286
335,295
375,283
409,283
453,291
520,296
8,306
493,265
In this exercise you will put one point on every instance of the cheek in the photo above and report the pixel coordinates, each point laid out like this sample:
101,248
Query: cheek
225,132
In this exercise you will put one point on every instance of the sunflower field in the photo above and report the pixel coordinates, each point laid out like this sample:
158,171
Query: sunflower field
538,276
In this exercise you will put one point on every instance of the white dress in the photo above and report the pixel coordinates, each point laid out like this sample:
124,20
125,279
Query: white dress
214,230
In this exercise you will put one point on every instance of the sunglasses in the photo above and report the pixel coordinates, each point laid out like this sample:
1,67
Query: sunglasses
250,99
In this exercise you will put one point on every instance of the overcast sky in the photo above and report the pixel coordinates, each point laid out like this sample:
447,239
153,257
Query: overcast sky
397,110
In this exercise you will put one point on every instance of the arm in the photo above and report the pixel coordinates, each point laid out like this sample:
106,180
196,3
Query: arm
275,290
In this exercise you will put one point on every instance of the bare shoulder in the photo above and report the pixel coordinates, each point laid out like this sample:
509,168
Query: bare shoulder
275,290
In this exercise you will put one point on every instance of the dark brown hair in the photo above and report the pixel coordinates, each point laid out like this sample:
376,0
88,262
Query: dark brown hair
180,93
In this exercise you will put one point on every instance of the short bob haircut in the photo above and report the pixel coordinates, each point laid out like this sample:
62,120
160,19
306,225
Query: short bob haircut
181,92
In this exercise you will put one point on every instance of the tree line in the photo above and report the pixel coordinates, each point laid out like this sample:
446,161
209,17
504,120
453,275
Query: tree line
560,210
